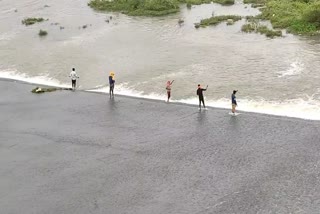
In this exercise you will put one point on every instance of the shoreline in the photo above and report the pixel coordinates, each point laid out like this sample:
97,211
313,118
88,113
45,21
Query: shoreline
158,100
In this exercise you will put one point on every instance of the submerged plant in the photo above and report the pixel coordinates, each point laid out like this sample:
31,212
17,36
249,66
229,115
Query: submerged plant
262,29
31,21
43,33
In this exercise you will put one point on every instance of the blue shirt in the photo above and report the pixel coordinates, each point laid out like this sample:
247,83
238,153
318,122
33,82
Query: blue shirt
233,98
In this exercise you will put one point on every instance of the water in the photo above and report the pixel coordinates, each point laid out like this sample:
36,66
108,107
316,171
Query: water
275,76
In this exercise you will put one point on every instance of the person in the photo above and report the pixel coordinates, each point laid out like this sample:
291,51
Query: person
73,75
201,98
234,101
111,83
168,88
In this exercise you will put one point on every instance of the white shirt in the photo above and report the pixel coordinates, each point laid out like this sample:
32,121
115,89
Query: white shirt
73,75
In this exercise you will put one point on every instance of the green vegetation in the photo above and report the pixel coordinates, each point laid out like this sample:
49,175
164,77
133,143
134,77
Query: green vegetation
218,19
254,1
31,21
197,2
137,7
43,33
148,7
268,32
39,90
248,28
257,28
298,16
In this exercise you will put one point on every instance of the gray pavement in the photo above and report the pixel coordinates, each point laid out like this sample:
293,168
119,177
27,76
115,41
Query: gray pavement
78,152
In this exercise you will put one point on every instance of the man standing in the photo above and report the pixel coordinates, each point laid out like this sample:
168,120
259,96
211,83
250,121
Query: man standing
73,76
111,83
234,102
168,88
201,98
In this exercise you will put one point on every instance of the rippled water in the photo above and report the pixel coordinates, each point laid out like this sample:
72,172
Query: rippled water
277,76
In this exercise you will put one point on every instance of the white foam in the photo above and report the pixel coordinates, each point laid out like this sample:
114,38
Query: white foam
43,80
7,36
295,68
308,108
124,89
297,108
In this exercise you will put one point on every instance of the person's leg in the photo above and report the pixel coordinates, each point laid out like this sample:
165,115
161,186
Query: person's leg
203,103
233,108
112,88
73,84
169,95
199,103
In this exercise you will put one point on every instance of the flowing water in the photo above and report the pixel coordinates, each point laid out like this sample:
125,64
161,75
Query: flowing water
274,76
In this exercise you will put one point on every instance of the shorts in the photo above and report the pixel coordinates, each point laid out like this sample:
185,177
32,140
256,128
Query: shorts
73,81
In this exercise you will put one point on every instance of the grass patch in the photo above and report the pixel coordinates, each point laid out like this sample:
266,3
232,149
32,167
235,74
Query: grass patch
198,2
218,19
268,32
254,1
248,28
31,21
137,7
42,33
148,7
39,90
224,2
262,29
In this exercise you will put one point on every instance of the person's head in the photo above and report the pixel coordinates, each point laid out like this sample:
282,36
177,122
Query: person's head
235,91
168,82
73,69
111,73
199,86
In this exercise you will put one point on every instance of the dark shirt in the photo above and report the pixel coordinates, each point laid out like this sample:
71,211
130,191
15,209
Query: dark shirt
200,92
233,98
111,81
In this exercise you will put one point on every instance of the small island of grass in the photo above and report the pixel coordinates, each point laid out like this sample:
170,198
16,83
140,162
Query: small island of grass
31,21
217,19
137,8
197,2
148,7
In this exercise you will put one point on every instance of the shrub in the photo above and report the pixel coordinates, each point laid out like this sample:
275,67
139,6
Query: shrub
269,33
248,28
43,33
312,15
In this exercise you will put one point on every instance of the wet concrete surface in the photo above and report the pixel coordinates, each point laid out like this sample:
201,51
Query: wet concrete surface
78,152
